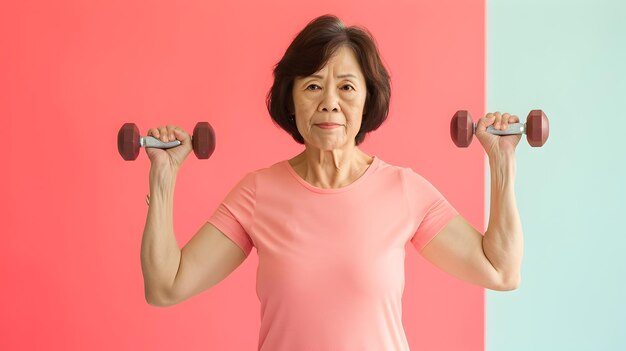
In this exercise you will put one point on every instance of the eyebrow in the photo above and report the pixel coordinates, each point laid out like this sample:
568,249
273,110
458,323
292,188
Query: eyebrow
348,75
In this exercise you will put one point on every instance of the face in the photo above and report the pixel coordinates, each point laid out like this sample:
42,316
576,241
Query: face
329,104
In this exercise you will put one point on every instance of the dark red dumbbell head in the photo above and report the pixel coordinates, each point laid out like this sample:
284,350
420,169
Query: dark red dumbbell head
537,128
128,141
203,140
462,128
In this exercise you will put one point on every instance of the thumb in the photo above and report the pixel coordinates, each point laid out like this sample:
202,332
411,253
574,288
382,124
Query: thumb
485,122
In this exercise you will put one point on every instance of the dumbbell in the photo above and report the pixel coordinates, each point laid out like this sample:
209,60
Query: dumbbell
536,128
129,141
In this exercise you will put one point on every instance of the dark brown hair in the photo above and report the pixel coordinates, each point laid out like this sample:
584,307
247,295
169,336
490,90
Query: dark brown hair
309,52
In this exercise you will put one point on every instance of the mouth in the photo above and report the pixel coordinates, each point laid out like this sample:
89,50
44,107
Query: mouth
328,125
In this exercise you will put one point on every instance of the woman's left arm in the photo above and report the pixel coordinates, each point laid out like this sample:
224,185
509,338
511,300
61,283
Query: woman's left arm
493,260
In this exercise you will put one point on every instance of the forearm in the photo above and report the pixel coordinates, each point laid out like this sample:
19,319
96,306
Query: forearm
160,253
503,242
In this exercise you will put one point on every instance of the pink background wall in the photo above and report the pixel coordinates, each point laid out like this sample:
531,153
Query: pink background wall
73,72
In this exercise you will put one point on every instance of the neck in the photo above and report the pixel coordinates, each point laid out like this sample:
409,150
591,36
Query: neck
331,168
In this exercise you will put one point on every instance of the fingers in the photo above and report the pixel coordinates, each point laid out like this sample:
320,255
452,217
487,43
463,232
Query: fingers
497,120
483,123
168,133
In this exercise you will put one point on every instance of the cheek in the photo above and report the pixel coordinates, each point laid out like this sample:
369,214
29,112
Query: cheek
354,125
304,106
355,115
356,103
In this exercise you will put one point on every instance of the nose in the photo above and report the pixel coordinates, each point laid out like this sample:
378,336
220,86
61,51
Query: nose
330,102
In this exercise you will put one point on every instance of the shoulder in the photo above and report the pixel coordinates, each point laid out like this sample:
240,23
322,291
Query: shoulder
414,184
405,173
274,171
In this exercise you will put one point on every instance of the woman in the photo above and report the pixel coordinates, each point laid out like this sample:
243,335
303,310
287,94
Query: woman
330,224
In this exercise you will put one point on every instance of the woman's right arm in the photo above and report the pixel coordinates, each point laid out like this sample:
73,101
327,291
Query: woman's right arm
172,275
160,253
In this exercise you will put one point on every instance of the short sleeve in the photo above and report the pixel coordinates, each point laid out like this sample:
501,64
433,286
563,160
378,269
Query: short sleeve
234,216
431,209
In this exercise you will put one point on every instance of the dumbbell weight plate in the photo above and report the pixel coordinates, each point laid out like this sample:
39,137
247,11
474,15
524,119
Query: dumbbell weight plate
537,128
203,140
462,128
128,141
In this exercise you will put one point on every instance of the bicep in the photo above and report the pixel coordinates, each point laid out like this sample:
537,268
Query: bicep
457,249
208,258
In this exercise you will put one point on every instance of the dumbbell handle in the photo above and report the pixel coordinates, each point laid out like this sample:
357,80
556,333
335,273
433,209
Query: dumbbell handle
148,141
512,129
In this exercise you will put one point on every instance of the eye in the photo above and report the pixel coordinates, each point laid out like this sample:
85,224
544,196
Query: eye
313,87
347,87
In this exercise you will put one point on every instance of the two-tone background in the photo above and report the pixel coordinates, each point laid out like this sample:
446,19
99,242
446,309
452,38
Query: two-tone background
72,211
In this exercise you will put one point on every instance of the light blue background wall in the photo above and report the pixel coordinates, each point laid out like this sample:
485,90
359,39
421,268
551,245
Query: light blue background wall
569,59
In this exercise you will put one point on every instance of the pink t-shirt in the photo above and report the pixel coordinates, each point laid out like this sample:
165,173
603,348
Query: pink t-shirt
331,261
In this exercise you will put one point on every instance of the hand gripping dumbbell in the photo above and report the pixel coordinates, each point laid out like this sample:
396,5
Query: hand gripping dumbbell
536,128
129,141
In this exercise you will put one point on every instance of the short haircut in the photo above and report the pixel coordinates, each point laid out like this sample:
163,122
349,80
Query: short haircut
309,52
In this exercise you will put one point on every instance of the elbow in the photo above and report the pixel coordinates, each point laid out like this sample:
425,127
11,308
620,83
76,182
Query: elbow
157,300
157,303
508,283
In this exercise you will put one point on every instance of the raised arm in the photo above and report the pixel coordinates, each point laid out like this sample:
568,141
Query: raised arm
493,260
172,275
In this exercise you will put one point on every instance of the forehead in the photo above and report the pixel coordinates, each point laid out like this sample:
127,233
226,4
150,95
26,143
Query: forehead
342,62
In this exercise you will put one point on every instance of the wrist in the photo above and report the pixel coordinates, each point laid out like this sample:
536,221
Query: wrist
162,180
502,171
502,157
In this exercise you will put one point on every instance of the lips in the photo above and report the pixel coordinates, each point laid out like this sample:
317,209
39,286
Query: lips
328,125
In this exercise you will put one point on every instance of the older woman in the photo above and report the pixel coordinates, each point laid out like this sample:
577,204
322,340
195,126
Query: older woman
330,225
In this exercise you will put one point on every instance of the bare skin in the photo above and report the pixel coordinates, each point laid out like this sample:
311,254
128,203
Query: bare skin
336,94
492,260
171,274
